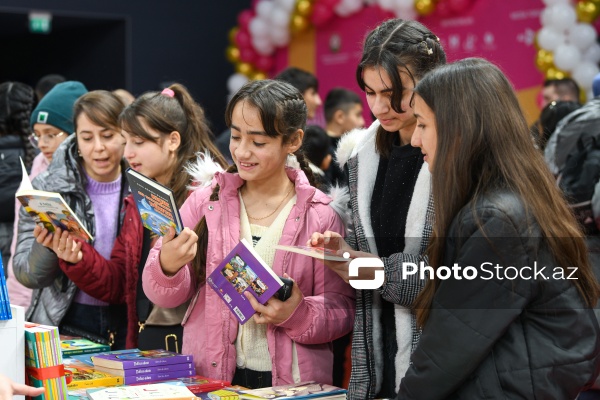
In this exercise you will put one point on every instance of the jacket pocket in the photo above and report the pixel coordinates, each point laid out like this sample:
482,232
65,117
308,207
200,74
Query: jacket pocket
487,379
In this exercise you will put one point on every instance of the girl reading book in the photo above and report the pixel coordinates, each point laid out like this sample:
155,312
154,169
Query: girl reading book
87,170
266,197
163,131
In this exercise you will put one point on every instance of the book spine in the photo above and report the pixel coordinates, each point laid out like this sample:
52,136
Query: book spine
148,370
153,362
75,352
159,376
96,382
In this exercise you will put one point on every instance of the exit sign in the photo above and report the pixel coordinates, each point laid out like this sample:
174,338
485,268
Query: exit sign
40,22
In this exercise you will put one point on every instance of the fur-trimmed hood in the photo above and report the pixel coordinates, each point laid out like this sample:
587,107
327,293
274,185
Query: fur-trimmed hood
350,144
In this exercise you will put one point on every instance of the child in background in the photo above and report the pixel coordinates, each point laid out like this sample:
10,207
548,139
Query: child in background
163,132
267,203
51,122
315,146
87,170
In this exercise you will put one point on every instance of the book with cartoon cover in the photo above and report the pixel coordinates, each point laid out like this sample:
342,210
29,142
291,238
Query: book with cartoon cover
72,345
156,391
80,375
155,203
243,270
144,358
302,390
50,209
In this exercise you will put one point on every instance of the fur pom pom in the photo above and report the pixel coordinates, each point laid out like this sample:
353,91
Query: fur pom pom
202,171
292,162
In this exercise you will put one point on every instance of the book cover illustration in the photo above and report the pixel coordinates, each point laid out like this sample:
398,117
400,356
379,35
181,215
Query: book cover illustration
72,345
315,252
87,357
243,271
80,375
144,358
200,384
154,391
302,390
155,203
49,209
148,370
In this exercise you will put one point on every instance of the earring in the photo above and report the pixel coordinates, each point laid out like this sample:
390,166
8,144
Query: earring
79,153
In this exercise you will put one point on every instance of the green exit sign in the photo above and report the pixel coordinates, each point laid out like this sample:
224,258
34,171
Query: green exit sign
40,22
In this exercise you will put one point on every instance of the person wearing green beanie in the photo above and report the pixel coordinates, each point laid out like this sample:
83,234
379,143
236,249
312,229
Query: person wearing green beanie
52,119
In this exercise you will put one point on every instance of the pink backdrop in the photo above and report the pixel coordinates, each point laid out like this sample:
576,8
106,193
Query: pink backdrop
500,31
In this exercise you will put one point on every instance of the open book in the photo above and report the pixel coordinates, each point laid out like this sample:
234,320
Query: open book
49,209
315,252
155,203
243,270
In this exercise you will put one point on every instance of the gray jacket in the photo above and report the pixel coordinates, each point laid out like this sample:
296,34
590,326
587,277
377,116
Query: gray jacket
36,266
356,152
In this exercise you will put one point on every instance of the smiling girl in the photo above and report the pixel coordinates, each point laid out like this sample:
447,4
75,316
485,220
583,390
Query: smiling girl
266,202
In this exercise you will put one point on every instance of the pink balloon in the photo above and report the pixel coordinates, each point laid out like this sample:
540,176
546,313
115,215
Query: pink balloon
242,38
329,3
321,14
248,54
459,6
264,63
244,19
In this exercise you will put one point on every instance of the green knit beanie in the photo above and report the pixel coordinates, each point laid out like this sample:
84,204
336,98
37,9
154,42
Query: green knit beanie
56,107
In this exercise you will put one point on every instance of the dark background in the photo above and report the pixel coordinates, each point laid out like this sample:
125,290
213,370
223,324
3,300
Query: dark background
131,44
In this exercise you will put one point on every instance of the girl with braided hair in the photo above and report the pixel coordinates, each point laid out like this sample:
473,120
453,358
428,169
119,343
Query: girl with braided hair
266,197
390,204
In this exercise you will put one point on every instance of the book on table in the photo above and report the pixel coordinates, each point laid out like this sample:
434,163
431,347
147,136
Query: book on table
74,345
50,209
87,357
243,270
153,391
315,252
80,375
155,203
302,390
144,358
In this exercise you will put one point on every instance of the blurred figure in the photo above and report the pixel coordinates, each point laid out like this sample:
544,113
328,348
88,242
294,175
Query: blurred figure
307,84
126,97
315,146
343,113
551,116
16,103
46,83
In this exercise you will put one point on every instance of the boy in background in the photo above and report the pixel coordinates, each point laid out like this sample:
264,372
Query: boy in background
315,145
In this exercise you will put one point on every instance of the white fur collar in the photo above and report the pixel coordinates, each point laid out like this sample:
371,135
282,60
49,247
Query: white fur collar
350,144
202,171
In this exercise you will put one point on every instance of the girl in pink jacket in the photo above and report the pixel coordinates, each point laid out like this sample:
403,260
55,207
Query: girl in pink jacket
266,202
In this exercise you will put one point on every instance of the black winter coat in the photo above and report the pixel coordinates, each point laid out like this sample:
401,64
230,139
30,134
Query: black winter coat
496,338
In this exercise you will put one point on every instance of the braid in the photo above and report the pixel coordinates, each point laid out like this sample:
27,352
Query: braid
305,167
201,229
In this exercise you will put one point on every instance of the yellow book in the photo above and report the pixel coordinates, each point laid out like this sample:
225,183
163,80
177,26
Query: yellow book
79,375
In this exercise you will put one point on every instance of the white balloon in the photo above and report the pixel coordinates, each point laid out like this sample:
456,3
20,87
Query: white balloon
263,45
387,4
280,36
258,28
406,13
553,2
405,4
235,82
592,54
263,9
347,7
566,57
584,74
582,35
546,16
280,17
549,39
287,5
563,17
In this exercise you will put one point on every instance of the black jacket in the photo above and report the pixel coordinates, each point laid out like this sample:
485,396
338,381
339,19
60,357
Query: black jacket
11,148
503,338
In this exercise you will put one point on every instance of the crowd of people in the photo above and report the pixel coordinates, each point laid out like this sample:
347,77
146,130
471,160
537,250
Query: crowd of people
475,267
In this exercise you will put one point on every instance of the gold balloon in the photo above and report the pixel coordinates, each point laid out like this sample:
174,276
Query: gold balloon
232,53
298,23
304,8
258,76
424,7
544,60
587,11
555,73
232,32
244,68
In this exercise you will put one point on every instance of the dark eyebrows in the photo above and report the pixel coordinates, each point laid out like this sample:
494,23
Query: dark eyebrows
388,90
260,133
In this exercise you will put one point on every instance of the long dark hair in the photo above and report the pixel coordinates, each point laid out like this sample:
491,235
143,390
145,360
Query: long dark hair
17,100
282,112
397,45
165,114
483,144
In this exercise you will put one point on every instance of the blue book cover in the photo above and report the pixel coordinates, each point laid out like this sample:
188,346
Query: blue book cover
241,271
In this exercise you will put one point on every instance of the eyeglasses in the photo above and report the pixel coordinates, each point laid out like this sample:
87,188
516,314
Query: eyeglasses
34,138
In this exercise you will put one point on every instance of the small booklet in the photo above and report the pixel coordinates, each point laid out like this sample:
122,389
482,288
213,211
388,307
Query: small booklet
156,391
302,390
315,252
243,270
49,209
155,202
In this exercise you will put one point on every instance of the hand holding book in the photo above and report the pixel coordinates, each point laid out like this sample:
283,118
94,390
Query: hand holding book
62,243
177,251
275,311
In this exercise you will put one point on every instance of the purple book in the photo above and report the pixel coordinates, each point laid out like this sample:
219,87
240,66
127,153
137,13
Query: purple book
160,376
243,271
145,358
146,370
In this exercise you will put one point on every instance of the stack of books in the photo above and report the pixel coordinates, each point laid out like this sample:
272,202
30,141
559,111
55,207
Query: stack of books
145,366
79,375
72,345
5,313
43,361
